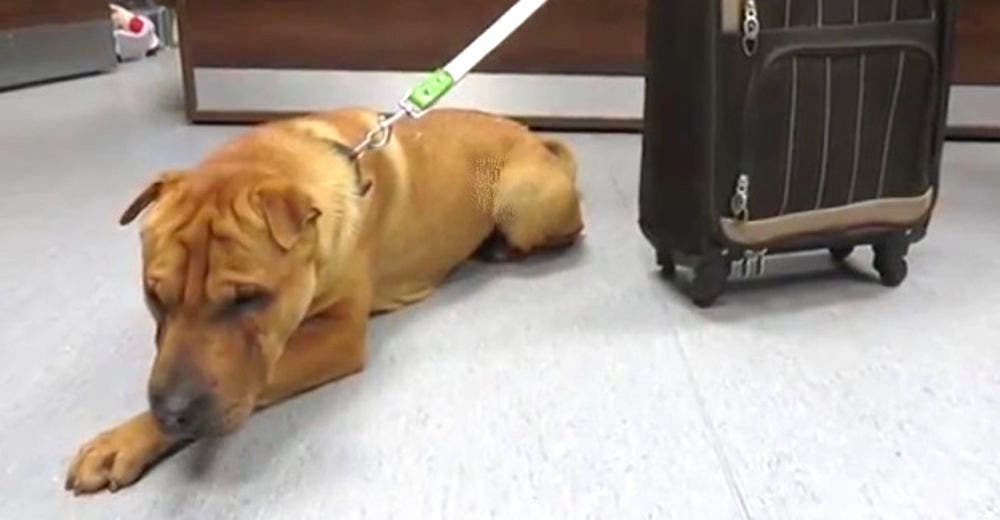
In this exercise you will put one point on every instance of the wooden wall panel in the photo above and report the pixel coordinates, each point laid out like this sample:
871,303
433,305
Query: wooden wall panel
977,59
29,13
586,36
569,36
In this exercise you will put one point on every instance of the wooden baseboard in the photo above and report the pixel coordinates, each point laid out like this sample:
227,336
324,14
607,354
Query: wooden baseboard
545,102
544,124
973,133
954,133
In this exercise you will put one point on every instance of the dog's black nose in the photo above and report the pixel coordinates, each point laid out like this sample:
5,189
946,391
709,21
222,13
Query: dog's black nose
182,411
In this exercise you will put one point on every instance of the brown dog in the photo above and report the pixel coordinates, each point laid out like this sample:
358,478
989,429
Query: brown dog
262,265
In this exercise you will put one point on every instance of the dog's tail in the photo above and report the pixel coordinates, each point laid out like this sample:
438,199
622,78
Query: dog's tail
564,156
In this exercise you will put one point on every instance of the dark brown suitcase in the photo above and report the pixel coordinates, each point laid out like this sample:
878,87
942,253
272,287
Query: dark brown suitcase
782,125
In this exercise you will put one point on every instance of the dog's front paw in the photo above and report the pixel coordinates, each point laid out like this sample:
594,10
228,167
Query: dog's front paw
117,457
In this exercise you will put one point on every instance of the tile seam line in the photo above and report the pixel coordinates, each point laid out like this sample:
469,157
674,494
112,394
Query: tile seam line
715,438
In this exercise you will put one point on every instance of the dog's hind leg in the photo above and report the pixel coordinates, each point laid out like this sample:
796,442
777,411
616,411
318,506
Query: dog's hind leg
536,204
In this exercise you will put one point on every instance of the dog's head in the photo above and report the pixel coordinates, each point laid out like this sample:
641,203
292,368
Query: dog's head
229,268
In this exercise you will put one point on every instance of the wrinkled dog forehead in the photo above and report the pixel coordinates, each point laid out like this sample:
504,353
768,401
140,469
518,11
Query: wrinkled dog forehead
208,231
211,246
222,237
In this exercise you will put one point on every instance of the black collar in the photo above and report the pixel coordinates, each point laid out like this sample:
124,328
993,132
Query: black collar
347,152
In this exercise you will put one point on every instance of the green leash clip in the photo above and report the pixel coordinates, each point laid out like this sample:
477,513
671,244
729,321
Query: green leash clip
431,89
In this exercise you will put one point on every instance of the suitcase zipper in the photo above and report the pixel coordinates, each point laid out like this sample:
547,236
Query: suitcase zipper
752,265
751,27
739,204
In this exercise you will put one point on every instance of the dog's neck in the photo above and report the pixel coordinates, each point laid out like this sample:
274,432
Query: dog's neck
361,184
338,236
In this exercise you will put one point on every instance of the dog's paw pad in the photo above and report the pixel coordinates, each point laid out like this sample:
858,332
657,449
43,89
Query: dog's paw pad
111,461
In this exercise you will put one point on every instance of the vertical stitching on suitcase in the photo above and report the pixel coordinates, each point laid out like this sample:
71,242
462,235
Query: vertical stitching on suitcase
857,12
826,137
819,13
901,65
897,86
792,123
858,125
788,13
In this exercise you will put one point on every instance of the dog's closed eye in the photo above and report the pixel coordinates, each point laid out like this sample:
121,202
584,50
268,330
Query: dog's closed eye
246,301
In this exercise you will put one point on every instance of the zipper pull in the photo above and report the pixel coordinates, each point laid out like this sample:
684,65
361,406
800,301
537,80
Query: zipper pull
751,27
740,203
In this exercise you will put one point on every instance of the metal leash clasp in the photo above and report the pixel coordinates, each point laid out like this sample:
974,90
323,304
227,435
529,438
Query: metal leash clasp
380,136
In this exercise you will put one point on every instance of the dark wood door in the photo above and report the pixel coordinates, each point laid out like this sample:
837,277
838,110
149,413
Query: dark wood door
572,36
16,14
977,59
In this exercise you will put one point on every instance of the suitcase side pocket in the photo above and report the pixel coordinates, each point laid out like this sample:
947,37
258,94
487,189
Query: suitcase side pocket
836,117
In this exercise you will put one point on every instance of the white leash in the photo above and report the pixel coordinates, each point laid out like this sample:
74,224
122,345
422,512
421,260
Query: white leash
426,94
492,38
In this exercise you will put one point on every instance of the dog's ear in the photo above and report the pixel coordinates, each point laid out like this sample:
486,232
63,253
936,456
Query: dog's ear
288,212
147,197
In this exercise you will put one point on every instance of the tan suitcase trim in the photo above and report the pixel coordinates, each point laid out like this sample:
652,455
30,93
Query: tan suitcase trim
885,212
729,12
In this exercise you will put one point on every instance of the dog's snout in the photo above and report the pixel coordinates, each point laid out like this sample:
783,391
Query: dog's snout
183,411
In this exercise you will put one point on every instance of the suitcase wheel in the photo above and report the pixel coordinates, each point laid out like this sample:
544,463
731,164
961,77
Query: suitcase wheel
710,275
840,254
890,260
665,259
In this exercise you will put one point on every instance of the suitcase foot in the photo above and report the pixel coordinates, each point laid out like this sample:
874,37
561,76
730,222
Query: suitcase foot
890,260
665,259
840,254
710,275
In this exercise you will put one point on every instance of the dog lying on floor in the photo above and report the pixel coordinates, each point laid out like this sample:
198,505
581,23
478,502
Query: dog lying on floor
262,265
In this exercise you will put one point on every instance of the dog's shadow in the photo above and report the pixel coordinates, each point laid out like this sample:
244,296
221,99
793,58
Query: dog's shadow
273,441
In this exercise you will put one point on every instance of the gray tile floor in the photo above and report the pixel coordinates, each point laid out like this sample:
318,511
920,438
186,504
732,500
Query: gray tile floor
573,386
